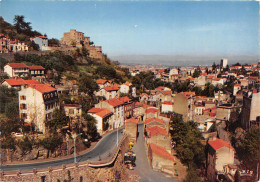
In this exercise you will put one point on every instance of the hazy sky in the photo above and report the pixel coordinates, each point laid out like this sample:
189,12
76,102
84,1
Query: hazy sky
148,27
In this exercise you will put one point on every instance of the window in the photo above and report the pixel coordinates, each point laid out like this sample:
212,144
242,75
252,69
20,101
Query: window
22,97
23,116
71,111
23,106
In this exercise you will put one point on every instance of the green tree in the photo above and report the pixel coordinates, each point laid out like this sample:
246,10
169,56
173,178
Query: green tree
196,74
106,71
25,145
51,142
8,143
92,128
249,151
87,85
21,26
59,119
12,109
191,176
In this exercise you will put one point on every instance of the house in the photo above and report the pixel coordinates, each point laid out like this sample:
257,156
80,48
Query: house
108,92
144,98
131,129
17,46
74,111
127,88
74,38
159,158
128,107
158,136
139,111
117,107
220,153
155,122
151,112
167,106
4,43
36,105
184,105
104,83
16,70
42,42
17,83
36,70
236,88
223,111
250,109
103,118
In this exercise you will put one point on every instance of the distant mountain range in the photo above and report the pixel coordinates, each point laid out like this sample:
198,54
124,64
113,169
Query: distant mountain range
184,60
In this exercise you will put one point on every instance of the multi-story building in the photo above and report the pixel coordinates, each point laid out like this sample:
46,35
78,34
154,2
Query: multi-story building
128,107
17,83
74,38
103,118
251,109
36,70
220,153
16,70
117,107
223,63
16,46
4,42
36,105
42,42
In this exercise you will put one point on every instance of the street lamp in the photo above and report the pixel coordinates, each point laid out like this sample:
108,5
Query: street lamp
74,137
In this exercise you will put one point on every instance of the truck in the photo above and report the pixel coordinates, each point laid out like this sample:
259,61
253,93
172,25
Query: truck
129,159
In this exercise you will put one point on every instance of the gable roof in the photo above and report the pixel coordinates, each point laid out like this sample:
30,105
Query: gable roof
154,119
161,152
101,81
43,88
36,67
156,130
151,110
17,65
100,112
20,81
124,99
113,88
218,144
114,102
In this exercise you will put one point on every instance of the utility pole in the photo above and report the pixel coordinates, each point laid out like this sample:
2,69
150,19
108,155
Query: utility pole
74,137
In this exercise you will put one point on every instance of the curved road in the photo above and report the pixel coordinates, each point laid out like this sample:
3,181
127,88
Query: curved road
104,149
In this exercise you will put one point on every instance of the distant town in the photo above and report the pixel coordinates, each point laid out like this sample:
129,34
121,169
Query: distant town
69,113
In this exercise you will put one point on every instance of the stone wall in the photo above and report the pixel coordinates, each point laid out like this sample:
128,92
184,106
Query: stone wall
74,172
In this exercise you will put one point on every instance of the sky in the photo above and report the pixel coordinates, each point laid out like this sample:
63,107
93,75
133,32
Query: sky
148,27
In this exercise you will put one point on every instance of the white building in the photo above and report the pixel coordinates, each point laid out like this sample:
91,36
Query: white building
42,42
117,107
103,118
73,110
167,106
36,104
223,63
236,88
16,70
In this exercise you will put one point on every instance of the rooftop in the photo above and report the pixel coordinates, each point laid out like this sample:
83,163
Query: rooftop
154,119
17,65
114,102
161,151
218,144
156,130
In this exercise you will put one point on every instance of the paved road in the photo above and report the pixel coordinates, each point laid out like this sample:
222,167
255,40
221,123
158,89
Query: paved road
103,150
142,166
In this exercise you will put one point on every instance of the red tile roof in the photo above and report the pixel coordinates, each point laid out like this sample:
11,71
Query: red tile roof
166,92
104,113
154,119
114,102
237,85
124,99
94,110
218,144
156,130
20,81
17,65
43,88
151,110
161,151
36,67
133,120
113,88
101,81
167,103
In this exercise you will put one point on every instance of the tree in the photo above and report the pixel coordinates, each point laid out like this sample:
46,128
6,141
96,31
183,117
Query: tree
191,176
51,142
92,128
21,26
249,151
59,119
12,109
214,66
106,71
196,74
25,145
33,46
87,85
